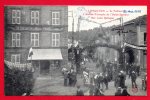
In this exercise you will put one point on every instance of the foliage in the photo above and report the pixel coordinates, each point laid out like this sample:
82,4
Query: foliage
18,82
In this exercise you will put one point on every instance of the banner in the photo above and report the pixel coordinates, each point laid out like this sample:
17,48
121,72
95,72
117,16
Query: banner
135,46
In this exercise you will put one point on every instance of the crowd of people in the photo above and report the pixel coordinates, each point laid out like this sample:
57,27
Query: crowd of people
99,82
70,77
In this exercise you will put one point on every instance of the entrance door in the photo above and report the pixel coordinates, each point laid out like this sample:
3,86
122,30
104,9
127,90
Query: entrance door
44,67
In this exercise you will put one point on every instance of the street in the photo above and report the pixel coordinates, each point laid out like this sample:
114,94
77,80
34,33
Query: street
111,91
53,85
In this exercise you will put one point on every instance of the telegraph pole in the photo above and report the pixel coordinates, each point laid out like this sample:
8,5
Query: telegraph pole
123,46
72,62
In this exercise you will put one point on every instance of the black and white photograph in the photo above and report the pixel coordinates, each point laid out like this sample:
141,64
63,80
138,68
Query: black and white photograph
75,50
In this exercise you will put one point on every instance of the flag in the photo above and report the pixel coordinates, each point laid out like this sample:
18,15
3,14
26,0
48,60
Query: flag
30,52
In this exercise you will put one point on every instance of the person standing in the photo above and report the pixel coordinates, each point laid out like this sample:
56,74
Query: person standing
131,69
125,92
66,78
122,79
101,81
71,77
106,81
138,70
79,91
133,79
74,78
118,92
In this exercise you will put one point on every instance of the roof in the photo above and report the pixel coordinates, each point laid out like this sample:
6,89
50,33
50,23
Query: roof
136,21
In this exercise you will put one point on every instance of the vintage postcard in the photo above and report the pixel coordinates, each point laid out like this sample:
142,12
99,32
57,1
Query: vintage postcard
75,50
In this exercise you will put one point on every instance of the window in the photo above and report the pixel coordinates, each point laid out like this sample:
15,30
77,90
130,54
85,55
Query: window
144,38
34,17
35,39
116,39
16,39
15,58
56,18
55,39
113,39
55,64
16,15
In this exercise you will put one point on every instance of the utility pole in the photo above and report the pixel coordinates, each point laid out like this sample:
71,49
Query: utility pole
72,62
123,46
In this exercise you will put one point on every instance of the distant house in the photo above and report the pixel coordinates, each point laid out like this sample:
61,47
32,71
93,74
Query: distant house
44,28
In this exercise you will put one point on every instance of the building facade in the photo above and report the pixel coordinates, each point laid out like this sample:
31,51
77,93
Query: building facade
135,32
44,28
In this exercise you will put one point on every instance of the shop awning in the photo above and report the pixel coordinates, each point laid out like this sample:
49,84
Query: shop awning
46,54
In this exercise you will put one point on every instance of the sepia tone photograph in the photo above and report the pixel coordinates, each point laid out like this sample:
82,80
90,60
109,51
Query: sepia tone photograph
75,50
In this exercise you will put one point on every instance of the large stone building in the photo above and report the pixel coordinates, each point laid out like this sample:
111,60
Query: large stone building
44,28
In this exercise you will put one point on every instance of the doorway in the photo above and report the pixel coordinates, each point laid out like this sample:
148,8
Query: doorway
44,67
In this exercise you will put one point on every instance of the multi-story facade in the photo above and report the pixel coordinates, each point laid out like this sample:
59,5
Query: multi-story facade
44,28
142,38
134,33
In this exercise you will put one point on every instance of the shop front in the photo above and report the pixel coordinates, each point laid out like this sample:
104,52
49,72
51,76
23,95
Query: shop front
44,60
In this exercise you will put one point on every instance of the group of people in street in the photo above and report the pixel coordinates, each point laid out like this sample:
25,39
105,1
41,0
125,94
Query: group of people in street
99,82
70,77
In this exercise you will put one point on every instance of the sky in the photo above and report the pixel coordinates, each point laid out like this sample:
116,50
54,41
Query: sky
110,15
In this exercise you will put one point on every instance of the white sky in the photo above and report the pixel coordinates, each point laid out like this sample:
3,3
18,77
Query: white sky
99,13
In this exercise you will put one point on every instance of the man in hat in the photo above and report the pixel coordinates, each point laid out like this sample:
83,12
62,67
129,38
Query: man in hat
133,79
101,81
122,79
105,79
66,78
79,91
